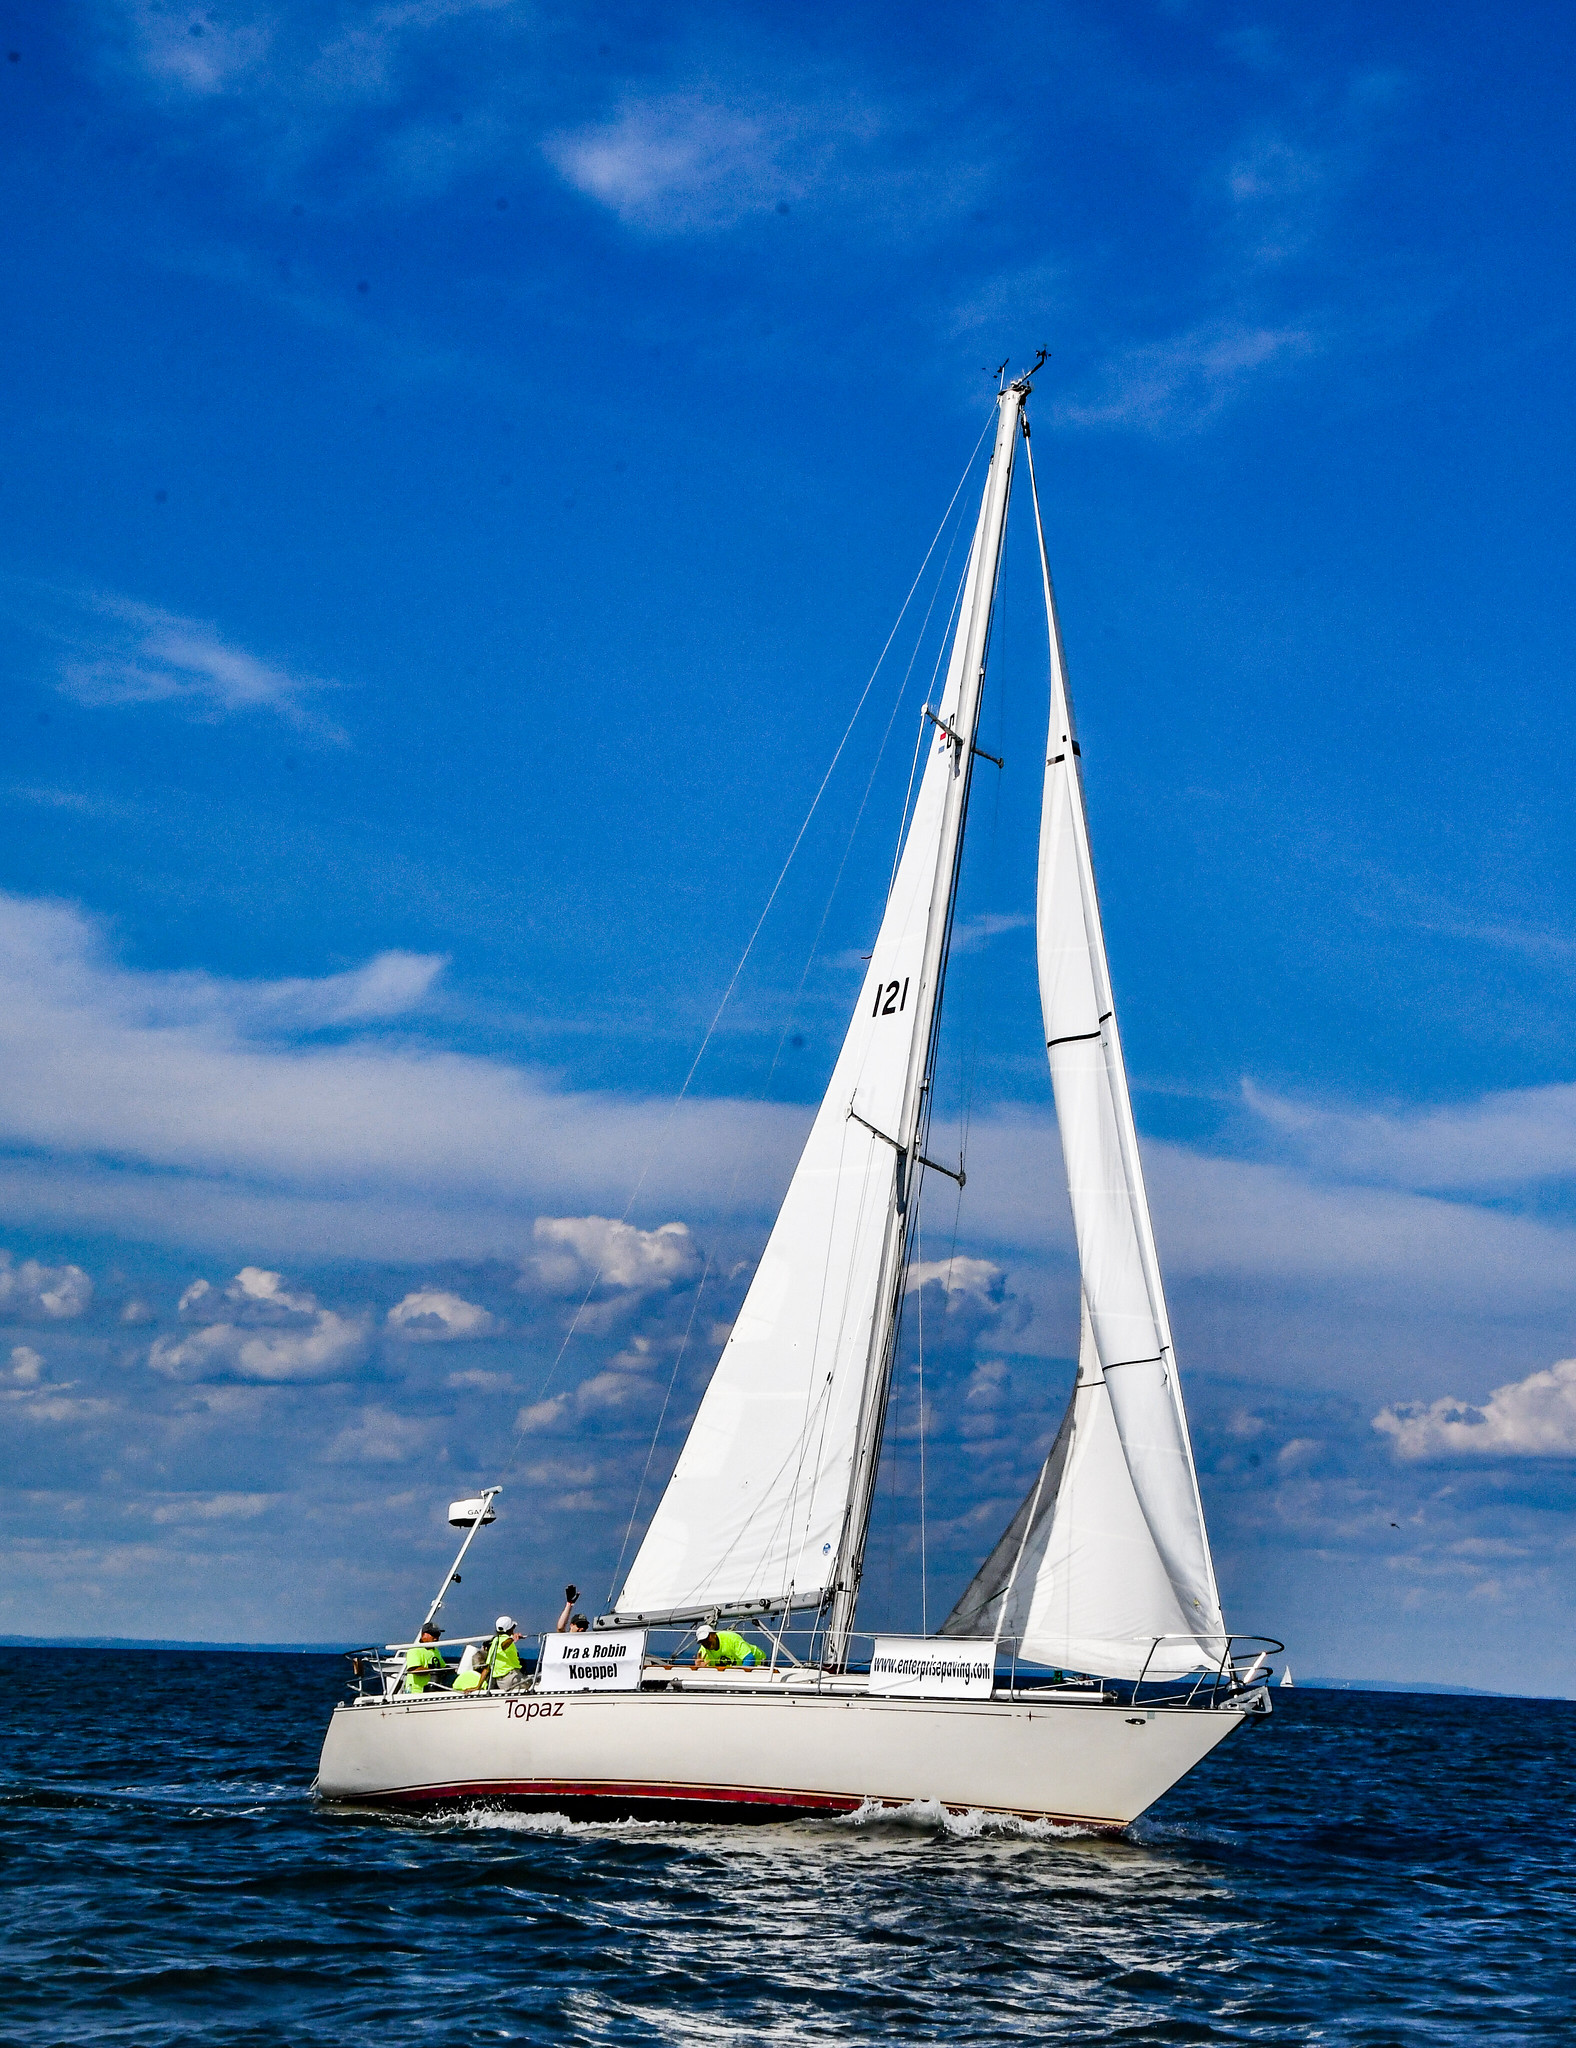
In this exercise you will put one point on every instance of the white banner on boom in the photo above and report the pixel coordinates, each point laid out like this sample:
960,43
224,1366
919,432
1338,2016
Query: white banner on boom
601,1660
921,1668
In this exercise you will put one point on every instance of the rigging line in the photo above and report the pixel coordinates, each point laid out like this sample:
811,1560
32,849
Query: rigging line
645,1470
837,879
924,1573
749,946
783,1037
826,912
919,744
969,1051
820,792
821,1396
942,649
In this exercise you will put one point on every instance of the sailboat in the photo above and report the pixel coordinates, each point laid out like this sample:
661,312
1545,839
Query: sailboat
1104,1571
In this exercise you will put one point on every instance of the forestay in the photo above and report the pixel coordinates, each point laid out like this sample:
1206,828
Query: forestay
760,1505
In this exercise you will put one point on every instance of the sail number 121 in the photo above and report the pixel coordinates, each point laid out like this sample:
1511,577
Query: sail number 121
891,998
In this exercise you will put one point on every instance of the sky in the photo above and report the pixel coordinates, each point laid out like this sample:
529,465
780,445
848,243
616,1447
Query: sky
461,463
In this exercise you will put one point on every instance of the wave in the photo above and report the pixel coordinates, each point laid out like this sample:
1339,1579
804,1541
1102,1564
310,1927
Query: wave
969,1825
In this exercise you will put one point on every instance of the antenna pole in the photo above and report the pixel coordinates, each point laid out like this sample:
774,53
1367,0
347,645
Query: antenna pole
453,1573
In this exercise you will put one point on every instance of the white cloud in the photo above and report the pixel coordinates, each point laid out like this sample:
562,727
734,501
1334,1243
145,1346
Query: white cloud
192,49
178,1508
322,59
178,1108
54,1404
431,1316
701,156
1184,381
32,1398
540,1414
1277,187
1268,1224
268,1333
1530,1418
1504,1140
575,1252
980,1277
117,651
26,1366
51,1293
684,161
181,1106
973,934
280,87
377,1437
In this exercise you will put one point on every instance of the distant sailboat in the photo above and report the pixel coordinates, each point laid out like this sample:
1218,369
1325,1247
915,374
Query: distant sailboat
1285,1678
1105,1568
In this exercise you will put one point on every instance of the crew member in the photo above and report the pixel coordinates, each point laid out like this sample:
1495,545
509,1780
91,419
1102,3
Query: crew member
423,1664
501,1658
576,1624
468,1678
714,1647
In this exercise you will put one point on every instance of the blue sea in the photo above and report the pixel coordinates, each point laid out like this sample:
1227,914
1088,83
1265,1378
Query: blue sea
1367,1868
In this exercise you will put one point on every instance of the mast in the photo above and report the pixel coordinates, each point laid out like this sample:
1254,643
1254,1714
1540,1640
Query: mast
957,737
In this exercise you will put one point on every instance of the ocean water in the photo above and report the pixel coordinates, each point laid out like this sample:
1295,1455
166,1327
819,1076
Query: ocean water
1362,1868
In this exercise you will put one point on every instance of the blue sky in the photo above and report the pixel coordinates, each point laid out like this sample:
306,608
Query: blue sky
461,461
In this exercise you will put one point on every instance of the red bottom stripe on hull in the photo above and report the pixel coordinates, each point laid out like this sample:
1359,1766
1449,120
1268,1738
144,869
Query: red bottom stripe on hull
604,1801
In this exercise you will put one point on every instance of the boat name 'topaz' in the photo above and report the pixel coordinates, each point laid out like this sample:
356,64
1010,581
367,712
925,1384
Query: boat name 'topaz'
528,1710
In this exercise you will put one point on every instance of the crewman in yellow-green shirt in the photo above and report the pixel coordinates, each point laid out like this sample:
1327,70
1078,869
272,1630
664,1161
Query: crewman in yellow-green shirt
501,1658
423,1663
714,1648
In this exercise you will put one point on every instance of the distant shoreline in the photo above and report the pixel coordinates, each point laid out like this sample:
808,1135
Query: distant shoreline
341,1649
344,1649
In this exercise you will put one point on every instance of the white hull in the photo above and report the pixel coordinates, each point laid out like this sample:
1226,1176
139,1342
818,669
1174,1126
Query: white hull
757,1754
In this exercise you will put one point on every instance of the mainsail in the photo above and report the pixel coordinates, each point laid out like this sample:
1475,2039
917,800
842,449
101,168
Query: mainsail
769,1502
1109,1569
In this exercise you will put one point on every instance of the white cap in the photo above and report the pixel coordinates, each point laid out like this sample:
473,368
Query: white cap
504,1624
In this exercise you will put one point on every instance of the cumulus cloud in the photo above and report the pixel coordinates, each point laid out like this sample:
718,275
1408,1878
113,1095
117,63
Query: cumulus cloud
33,1292
117,651
32,1398
377,1437
431,1316
576,1252
27,1368
266,1332
1530,1418
217,1115
982,1278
